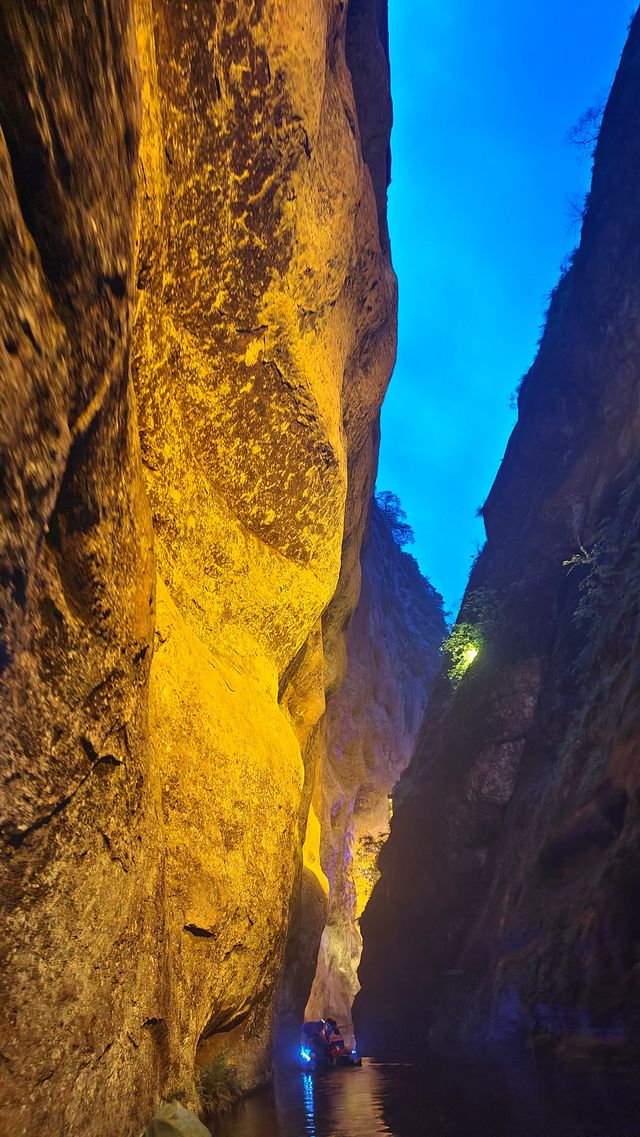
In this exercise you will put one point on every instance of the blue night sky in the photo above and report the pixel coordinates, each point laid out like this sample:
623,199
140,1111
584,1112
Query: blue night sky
480,219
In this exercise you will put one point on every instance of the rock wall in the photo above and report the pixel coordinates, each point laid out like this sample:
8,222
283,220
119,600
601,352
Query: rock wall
198,325
508,904
393,652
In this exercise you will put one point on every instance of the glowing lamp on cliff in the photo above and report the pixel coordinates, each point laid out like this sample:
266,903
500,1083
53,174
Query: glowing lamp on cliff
462,646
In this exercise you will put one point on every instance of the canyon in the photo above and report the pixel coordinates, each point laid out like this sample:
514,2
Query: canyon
221,678
511,874
198,324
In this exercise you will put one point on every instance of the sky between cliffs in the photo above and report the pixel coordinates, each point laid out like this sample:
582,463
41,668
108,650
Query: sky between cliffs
480,219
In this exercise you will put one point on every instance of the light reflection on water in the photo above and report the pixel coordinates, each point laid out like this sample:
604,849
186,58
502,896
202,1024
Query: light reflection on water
309,1104
518,1099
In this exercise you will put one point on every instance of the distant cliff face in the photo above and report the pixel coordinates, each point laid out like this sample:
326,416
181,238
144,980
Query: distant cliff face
393,652
198,326
508,904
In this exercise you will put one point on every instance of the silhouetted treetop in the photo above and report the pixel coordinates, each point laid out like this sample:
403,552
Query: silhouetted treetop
395,518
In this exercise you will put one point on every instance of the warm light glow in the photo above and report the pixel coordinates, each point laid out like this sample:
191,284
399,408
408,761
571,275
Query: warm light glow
365,867
311,851
462,645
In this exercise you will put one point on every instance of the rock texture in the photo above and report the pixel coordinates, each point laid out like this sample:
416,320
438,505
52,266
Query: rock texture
198,325
393,652
508,904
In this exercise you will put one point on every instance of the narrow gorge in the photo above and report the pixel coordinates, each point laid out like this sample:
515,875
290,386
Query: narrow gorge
222,683
198,328
512,873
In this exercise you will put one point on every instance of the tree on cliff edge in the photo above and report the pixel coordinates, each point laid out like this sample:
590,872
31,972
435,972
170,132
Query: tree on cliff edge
395,518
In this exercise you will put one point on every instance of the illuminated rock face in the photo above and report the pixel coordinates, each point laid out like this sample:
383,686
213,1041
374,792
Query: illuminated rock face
393,651
508,904
198,329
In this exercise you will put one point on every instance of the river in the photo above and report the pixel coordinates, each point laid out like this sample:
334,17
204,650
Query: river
521,1099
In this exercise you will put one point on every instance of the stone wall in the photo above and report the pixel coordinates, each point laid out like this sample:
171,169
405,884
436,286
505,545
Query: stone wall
198,326
510,882
393,651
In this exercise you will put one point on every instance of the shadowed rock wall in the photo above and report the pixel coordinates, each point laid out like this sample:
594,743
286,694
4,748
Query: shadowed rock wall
393,651
198,326
508,904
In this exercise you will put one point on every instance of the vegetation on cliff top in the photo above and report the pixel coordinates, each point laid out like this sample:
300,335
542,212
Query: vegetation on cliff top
390,511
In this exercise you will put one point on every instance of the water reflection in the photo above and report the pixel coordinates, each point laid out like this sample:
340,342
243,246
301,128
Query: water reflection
521,1099
309,1105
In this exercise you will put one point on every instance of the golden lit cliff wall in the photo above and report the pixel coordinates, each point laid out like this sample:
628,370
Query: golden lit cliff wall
159,764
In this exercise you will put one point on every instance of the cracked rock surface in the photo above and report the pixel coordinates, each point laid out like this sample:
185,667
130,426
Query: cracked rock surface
197,326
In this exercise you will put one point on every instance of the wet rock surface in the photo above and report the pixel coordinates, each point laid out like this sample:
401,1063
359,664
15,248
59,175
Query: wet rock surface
509,894
198,326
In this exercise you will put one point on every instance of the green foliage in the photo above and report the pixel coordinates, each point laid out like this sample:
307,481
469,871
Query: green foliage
483,612
395,518
462,646
216,1085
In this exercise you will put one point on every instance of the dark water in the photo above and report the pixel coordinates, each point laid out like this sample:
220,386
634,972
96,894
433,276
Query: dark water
512,1100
